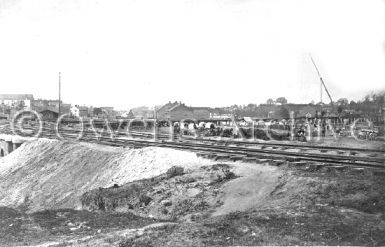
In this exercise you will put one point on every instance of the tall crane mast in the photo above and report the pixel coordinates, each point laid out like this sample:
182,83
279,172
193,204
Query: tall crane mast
322,81
59,93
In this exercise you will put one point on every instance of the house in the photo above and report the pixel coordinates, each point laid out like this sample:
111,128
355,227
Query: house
22,101
43,104
49,114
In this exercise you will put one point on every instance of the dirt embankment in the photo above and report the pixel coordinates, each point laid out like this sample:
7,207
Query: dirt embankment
203,202
49,174
297,208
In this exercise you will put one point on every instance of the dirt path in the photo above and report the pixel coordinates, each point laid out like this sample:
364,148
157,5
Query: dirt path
250,190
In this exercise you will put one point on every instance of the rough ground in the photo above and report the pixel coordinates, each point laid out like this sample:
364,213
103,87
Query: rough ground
180,200
49,174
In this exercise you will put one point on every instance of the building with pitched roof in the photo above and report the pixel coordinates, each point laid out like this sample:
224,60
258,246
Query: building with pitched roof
178,111
17,100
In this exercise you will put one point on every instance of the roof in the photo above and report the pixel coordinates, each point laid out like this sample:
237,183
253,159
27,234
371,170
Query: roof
168,106
16,96
50,110
178,105
200,108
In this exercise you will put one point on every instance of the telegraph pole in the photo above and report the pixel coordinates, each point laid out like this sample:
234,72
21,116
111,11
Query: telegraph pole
59,93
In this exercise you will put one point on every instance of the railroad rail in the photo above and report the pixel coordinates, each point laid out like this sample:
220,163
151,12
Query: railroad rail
236,150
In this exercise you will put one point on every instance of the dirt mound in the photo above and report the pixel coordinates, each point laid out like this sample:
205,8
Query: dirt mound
49,174
188,195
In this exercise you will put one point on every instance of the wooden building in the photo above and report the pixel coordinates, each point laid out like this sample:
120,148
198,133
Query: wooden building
161,112
178,113
49,114
201,113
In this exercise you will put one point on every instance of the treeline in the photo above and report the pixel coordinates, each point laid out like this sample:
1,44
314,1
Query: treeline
371,105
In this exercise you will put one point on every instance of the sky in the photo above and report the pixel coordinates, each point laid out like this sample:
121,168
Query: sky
127,53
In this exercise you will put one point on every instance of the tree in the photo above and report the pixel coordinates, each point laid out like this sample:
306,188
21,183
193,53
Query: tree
283,112
342,101
339,109
380,100
281,100
270,102
251,107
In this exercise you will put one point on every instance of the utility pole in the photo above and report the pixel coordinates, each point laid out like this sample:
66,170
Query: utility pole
59,93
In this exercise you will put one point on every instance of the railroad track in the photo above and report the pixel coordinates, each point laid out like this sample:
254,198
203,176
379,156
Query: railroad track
237,150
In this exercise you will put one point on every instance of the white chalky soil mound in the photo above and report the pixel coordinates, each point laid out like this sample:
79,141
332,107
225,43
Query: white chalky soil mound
49,174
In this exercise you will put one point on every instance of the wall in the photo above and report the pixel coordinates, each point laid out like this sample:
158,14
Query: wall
9,143
6,147
201,114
